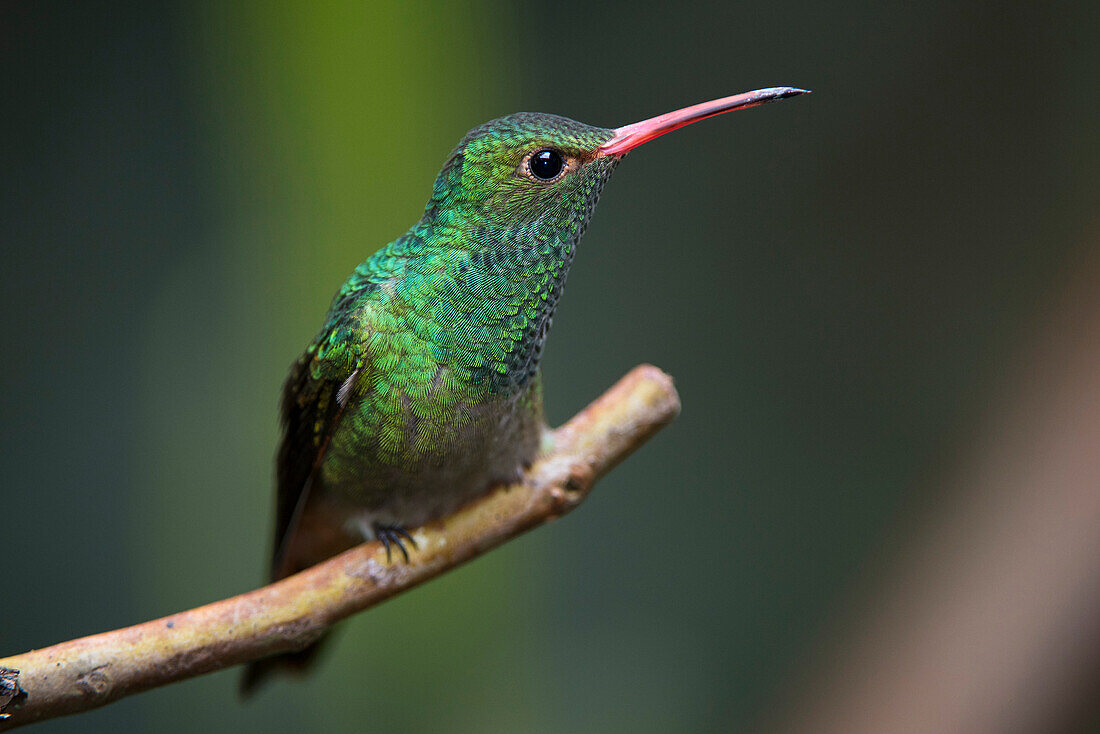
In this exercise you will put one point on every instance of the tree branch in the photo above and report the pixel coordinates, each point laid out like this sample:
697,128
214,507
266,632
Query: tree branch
93,671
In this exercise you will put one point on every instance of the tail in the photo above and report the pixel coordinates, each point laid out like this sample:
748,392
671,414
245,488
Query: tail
296,552
296,663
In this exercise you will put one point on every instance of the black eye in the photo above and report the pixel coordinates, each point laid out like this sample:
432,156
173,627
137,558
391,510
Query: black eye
546,164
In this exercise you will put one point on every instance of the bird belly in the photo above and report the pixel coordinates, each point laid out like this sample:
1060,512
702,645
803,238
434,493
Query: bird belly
439,462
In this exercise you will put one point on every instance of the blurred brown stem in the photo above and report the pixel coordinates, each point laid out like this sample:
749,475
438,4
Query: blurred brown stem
92,671
989,619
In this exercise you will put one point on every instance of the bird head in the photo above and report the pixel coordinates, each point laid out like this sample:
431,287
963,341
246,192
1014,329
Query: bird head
544,173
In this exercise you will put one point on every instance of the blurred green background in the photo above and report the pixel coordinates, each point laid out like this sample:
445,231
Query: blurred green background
835,282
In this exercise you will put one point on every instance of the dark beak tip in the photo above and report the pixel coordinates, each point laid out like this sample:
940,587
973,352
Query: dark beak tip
628,137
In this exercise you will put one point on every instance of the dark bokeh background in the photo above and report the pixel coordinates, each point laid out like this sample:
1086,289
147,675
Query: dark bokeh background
837,283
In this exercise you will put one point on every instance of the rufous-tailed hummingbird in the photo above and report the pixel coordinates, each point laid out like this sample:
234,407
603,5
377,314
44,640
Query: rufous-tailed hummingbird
422,389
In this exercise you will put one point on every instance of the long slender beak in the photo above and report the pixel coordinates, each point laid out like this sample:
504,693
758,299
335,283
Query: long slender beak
629,137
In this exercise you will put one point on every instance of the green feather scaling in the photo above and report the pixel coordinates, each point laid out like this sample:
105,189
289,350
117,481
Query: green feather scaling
422,388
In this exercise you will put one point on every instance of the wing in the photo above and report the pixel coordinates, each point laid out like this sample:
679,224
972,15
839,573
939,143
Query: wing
316,392
323,380
314,397
320,384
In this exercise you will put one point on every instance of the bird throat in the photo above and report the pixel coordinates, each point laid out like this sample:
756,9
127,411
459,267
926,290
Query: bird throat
513,280
507,279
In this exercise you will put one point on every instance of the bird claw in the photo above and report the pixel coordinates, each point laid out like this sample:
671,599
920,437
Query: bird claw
391,535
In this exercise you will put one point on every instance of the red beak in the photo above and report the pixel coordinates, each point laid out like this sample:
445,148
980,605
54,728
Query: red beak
629,137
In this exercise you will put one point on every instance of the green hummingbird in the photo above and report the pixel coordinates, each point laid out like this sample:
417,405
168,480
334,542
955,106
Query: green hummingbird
422,389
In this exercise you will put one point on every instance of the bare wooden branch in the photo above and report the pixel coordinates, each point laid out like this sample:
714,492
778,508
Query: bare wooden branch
92,671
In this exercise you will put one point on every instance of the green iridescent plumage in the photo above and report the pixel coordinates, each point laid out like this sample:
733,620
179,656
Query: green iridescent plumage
422,389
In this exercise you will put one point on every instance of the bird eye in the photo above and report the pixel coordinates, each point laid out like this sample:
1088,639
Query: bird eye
546,164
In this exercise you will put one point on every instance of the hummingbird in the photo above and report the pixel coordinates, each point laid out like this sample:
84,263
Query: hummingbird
422,389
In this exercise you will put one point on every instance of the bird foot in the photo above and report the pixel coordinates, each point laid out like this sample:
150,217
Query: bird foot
391,535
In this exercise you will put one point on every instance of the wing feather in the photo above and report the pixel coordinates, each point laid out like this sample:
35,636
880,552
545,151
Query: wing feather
314,398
